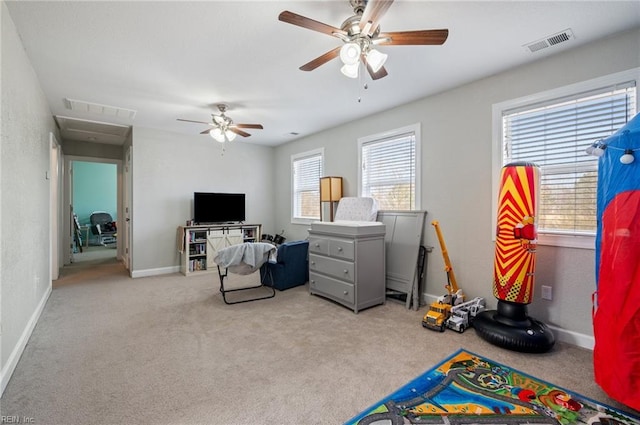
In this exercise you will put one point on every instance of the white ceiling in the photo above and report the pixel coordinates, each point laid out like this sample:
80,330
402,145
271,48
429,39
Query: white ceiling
168,60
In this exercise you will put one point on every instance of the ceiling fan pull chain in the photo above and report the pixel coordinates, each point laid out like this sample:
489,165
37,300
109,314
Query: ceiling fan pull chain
360,84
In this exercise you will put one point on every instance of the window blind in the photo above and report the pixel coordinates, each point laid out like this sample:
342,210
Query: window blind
306,186
389,171
554,136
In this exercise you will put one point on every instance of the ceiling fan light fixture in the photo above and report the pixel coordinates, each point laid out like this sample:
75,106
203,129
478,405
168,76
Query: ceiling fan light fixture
217,135
350,53
350,71
230,135
376,59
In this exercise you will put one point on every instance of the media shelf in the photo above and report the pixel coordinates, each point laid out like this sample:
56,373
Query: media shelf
200,244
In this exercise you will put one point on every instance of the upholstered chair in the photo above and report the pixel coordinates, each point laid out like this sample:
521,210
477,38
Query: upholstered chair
291,268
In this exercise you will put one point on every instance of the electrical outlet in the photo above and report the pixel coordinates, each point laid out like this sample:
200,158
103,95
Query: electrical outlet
547,292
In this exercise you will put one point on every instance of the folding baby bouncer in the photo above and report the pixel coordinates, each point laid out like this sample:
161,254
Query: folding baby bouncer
244,259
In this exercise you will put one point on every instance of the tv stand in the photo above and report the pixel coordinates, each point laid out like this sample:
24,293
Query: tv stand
199,244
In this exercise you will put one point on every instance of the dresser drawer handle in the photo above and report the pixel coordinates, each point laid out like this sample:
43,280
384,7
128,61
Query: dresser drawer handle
313,282
346,292
345,271
317,245
313,263
340,249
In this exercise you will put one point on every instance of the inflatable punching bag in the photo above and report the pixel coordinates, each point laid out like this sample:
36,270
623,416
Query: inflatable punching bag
514,265
616,322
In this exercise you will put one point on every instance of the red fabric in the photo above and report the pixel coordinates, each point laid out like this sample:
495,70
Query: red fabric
617,317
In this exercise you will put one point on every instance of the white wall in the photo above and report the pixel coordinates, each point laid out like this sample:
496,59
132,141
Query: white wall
168,168
24,210
456,178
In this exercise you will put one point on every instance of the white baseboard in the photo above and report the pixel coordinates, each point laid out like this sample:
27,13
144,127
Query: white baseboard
575,338
562,335
155,272
14,358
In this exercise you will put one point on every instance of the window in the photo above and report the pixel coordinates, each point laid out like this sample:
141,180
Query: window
553,132
389,168
306,170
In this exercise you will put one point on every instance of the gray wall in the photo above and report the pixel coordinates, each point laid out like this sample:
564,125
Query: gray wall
168,168
456,177
24,207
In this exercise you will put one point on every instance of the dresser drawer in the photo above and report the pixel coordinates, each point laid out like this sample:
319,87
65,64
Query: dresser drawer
340,291
337,268
319,245
341,249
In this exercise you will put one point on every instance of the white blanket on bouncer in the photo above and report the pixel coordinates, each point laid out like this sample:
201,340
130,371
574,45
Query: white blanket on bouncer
245,258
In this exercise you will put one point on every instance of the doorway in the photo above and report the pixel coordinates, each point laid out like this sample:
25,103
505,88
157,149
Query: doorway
94,195
92,184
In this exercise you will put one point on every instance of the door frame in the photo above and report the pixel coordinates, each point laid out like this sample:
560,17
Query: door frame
68,200
127,200
55,198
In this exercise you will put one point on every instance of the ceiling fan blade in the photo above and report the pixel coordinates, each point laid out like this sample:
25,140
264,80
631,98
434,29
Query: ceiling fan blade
304,22
421,37
258,126
207,131
372,14
239,132
198,122
321,60
382,72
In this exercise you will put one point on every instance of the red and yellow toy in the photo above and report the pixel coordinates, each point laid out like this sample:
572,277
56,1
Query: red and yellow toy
514,265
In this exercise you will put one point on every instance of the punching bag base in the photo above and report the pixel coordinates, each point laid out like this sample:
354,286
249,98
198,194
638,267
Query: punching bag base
509,327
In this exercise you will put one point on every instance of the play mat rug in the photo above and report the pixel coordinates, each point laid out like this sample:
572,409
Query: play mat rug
466,388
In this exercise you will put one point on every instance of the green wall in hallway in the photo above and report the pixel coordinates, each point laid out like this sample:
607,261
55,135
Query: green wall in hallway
94,189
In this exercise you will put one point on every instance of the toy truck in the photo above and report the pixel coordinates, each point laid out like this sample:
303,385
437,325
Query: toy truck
440,310
461,316
436,317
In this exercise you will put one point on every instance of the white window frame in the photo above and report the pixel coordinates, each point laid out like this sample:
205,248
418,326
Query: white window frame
297,157
552,239
413,128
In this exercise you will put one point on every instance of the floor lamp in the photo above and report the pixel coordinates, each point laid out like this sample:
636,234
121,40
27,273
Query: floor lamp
330,191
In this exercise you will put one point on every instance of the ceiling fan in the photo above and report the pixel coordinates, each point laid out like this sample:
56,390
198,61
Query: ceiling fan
360,34
223,129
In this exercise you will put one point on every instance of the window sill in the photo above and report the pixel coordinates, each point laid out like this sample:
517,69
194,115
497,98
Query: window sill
304,221
567,241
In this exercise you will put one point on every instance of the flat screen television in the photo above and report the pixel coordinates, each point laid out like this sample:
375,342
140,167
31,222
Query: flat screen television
211,207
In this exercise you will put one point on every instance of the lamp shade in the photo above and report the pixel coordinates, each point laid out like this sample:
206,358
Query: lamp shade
350,53
217,135
350,71
376,59
330,189
230,135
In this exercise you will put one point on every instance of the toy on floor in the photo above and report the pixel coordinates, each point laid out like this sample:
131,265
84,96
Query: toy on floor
510,326
616,322
450,310
440,310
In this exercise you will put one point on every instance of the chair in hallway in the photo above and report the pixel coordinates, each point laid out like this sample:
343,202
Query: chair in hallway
103,226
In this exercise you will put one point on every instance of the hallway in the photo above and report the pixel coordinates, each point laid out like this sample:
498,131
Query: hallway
94,263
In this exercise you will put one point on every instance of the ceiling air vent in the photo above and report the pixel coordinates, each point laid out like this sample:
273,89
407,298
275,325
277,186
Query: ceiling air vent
550,40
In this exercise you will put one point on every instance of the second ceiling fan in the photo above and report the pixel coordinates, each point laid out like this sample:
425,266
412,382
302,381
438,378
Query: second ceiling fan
360,34
223,129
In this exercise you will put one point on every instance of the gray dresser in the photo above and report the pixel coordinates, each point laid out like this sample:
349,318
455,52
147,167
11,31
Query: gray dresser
347,263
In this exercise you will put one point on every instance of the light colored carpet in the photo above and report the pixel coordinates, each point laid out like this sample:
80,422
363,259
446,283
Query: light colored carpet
166,350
